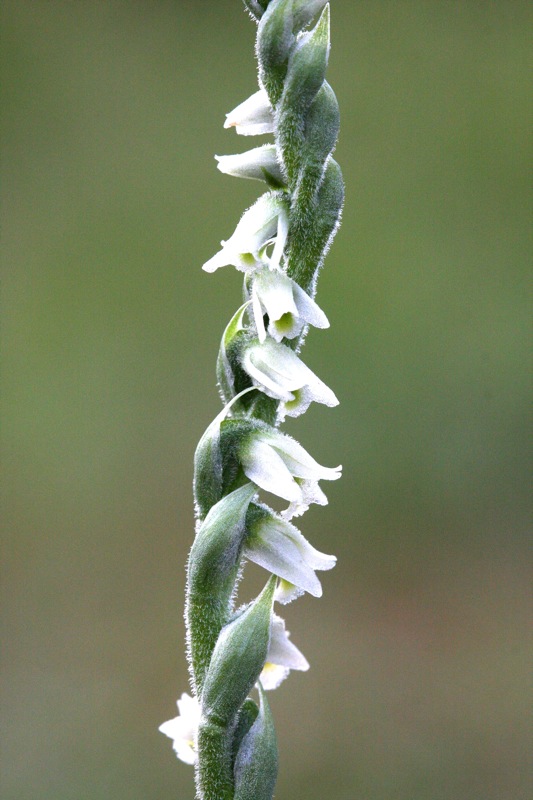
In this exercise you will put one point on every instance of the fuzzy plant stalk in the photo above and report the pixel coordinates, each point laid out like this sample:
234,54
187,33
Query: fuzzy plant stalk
243,458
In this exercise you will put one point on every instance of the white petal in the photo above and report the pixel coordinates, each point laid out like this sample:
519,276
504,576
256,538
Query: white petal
263,374
308,309
275,292
281,650
253,164
253,116
262,465
298,460
257,225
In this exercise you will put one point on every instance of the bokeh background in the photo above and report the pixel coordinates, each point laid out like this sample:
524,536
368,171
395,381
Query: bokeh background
112,111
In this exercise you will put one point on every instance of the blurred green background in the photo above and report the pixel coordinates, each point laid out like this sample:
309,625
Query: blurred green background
112,112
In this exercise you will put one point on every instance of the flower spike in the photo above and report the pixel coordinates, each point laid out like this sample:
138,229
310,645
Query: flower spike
279,244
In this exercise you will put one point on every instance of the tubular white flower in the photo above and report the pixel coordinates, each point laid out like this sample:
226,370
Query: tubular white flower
183,729
278,464
252,117
257,228
258,164
278,546
289,308
282,656
278,371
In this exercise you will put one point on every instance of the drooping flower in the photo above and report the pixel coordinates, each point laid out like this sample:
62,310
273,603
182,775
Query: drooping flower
279,373
278,464
252,117
264,223
260,164
289,308
282,656
278,546
183,729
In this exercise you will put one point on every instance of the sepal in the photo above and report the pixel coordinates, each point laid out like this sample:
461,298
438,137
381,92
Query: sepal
257,228
282,656
256,765
238,658
260,164
253,117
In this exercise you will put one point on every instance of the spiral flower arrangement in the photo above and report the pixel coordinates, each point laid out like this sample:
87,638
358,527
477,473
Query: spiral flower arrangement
279,244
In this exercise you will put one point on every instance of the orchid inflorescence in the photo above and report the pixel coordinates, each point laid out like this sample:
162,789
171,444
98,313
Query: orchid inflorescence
279,244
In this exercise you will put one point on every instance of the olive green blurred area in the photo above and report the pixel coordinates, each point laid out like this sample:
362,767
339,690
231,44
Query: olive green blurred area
112,112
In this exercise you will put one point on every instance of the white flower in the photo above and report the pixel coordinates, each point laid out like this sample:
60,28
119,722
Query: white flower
288,307
278,371
282,656
253,117
278,546
260,164
262,224
183,729
278,464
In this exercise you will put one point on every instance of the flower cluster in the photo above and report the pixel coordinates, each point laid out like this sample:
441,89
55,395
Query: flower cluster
278,244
